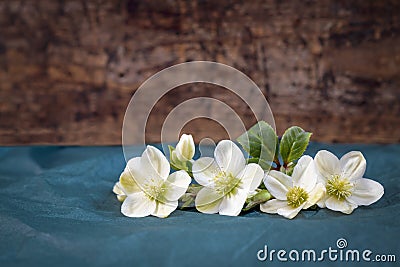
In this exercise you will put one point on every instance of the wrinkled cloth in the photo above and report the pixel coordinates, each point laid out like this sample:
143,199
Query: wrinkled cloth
57,208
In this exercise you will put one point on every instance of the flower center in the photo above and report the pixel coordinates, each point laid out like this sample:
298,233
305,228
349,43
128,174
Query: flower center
296,196
339,188
226,183
155,191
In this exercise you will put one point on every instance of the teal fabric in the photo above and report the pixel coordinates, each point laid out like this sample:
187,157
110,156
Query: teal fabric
57,209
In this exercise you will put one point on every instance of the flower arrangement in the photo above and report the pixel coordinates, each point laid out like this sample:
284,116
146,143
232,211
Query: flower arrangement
276,176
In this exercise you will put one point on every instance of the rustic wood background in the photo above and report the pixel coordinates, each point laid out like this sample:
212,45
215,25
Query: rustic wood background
69,68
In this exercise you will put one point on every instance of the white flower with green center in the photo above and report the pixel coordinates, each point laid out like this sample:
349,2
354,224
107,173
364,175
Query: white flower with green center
292,194
346,189
146,188
227,180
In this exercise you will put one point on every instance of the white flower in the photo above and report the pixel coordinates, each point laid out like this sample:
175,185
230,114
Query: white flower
345,187
185,149
227,180
146,188
295,193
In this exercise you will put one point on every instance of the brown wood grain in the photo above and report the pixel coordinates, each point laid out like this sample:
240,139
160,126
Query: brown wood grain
69,68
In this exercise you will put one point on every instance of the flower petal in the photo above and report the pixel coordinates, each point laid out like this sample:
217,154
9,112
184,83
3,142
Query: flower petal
343,206
154,163
327,164
251,177
121,198
134,167
128,184
204,170
315,195
353,165
366,192
208,200
290,212
304,173
278,184
322,201
185,148
229,157
232,204
177,183
272,206
143,178
119,192
117,189
163,210
138,205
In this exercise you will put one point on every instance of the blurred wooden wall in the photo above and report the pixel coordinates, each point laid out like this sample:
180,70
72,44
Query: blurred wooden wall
69,68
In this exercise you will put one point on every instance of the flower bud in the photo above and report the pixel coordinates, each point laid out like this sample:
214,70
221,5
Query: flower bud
185,148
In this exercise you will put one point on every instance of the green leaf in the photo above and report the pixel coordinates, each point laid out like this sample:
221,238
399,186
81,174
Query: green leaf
260,142
262,196
188,168
189,197
293,144
263,164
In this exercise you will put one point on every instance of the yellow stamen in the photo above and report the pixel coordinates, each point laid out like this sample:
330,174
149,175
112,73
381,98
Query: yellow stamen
296,196
155,191
226,183
341,188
